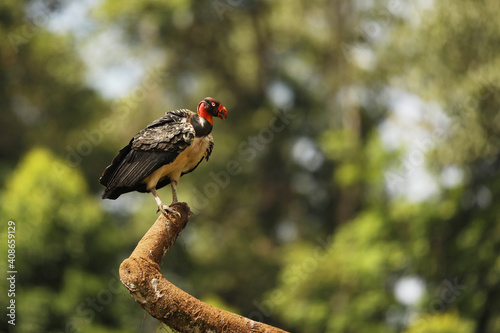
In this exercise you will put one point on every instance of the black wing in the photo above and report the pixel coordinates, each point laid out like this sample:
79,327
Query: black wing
156,145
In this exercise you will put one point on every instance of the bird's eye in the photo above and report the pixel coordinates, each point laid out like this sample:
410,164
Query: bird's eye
213,104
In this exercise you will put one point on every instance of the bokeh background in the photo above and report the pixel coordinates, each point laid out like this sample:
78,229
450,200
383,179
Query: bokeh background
353,188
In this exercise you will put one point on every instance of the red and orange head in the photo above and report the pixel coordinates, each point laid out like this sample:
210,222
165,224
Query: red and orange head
209,107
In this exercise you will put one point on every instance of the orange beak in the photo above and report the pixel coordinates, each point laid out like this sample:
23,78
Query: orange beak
222,113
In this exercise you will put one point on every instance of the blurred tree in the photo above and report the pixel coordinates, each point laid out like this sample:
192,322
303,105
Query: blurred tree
454,62
280,81
444,323
42,92
444,54
67,267
302,131
300,191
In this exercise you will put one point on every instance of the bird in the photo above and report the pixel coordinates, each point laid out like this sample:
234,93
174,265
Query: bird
161,153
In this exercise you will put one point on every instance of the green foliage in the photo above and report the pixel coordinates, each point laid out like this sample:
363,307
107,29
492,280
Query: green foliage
43,189
59,254
42,85
444,323
338,286
296,221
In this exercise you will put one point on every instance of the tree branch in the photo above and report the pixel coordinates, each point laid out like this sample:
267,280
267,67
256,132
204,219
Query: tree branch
141,275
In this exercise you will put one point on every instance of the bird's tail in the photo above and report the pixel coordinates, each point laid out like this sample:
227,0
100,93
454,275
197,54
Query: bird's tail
108,175
111,193
110,171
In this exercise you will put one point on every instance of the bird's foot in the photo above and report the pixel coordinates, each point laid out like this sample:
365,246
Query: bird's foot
166,210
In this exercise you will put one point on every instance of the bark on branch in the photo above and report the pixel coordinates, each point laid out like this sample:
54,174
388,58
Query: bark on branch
141,275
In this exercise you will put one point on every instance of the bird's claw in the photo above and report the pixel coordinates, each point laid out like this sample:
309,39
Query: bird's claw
166,210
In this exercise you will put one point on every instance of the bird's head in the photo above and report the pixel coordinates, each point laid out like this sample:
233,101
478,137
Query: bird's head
209,107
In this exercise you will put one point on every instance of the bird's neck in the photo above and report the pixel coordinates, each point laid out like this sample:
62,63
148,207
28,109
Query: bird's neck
204,114
202,127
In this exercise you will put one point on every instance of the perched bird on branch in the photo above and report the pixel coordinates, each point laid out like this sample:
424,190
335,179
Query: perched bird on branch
161,153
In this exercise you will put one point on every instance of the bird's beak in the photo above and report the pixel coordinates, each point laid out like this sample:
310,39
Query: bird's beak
222,113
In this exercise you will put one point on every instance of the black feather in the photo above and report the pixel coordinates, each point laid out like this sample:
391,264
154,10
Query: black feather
111,169
158,144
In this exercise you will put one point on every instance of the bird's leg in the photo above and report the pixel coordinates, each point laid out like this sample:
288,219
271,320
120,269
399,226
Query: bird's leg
173,184
161,207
